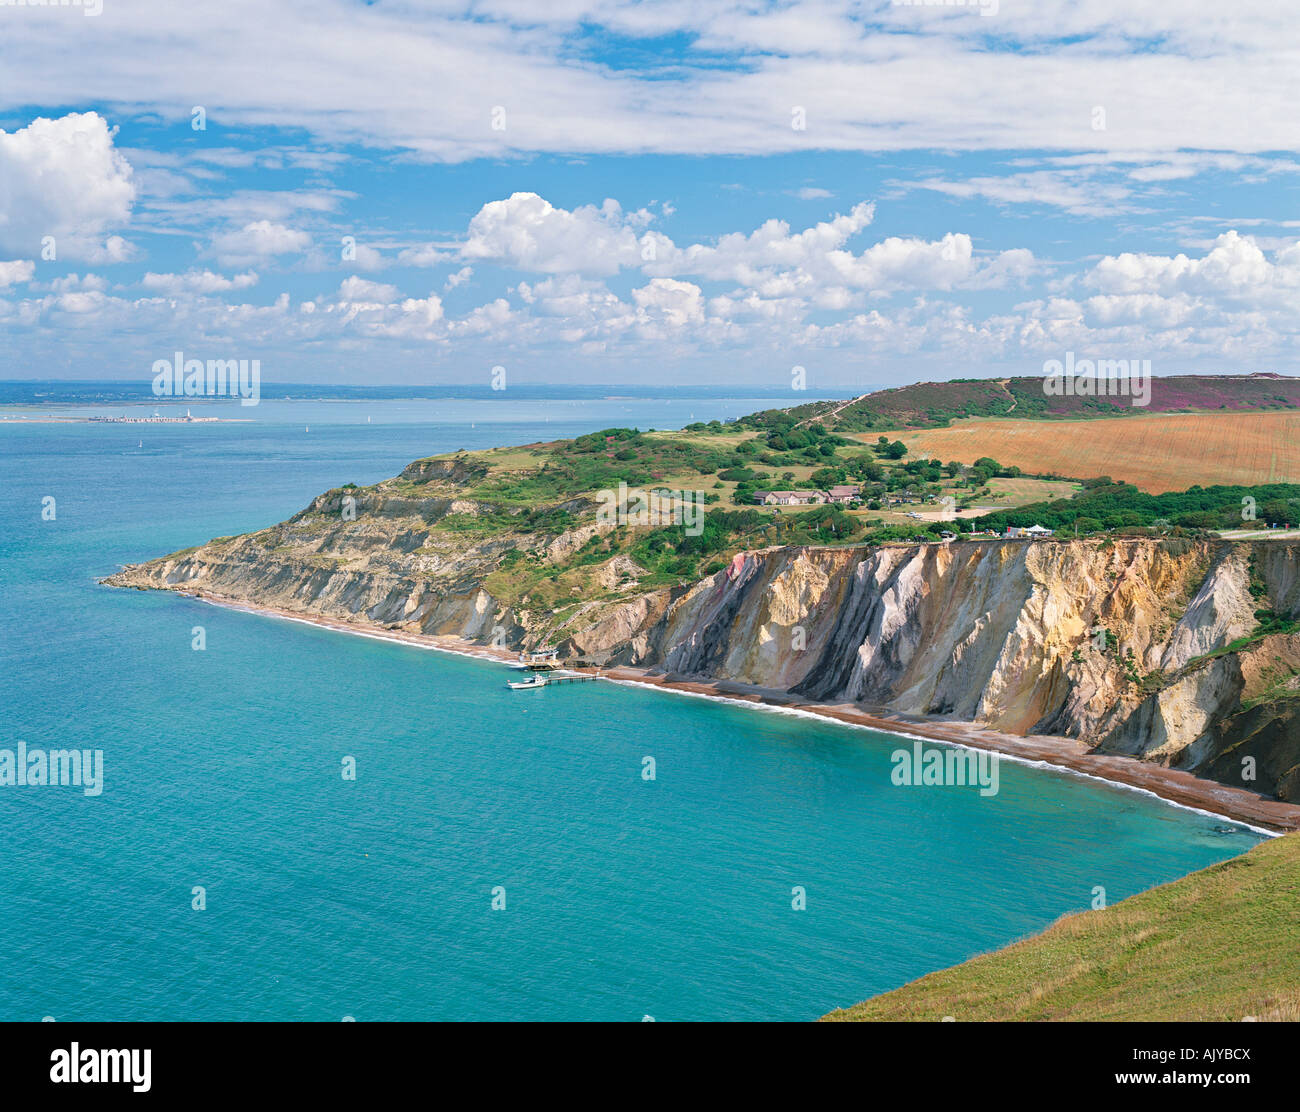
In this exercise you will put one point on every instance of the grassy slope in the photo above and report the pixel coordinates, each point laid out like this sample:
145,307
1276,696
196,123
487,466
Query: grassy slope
1220,944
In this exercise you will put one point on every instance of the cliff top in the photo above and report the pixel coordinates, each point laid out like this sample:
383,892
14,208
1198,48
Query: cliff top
1216,945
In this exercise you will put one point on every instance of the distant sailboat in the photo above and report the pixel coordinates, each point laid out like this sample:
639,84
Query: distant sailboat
307,428
140,445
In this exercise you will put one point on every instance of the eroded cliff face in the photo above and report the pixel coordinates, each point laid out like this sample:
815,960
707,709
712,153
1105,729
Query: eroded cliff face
1141,647
368,556
1144,647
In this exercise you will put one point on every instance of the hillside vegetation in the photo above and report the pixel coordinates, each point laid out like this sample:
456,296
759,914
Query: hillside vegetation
938,404
1220,944
531,514
1103,505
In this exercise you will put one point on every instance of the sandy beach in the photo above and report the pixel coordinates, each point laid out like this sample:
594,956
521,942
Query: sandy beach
1172,785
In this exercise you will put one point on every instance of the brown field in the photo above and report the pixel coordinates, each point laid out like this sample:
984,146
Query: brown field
1156,453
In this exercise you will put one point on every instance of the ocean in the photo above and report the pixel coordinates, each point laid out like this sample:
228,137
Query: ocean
498,855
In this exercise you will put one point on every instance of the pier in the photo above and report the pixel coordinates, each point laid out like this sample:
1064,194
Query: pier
552,679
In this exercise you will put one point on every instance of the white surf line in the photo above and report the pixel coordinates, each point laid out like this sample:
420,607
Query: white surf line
320,623
749,704
1031,762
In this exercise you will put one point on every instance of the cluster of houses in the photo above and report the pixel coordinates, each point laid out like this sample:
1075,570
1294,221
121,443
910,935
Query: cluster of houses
838,495
842,495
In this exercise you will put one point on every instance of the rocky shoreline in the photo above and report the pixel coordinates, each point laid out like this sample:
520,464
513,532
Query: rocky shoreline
1171,785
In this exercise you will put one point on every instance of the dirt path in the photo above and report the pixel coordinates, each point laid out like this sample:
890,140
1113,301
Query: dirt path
831,414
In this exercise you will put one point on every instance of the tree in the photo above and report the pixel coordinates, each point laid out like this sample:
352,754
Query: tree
828,477
869,469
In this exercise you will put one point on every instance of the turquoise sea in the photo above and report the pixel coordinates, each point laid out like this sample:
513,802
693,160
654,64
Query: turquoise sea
373,898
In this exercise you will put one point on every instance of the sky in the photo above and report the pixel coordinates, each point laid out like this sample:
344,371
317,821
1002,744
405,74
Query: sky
704,193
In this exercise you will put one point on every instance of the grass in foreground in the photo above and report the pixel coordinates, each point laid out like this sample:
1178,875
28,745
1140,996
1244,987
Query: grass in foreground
1220,944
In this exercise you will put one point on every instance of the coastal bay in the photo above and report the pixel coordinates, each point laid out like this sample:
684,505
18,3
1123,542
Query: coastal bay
373,898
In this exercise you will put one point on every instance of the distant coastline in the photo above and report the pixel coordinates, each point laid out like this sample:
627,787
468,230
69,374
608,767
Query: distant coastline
118,392
52,419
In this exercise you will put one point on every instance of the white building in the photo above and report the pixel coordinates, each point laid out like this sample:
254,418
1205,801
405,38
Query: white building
789,497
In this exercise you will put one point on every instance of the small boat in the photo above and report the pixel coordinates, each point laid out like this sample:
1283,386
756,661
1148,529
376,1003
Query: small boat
528,685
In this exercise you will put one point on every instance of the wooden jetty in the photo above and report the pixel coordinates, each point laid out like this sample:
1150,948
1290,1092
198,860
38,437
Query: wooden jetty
553,679
571,677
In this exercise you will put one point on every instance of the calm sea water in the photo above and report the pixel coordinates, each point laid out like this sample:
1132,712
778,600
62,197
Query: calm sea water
327,898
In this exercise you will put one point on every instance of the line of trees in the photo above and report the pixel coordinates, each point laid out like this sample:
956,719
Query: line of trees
1104,504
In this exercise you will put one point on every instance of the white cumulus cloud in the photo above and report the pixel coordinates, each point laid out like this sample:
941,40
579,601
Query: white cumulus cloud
64,178
197,281
16,271
527,232
258,242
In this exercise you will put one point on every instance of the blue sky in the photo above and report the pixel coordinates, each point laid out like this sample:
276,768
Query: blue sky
613,193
